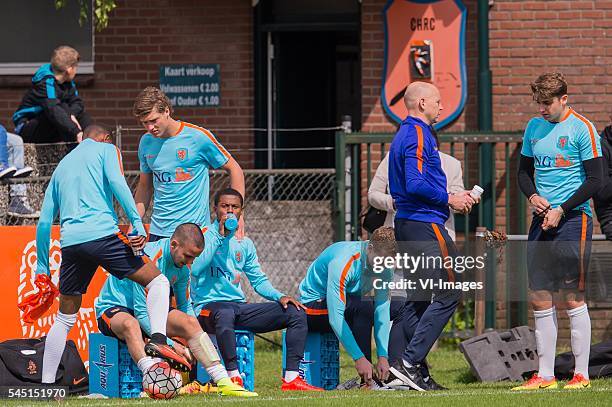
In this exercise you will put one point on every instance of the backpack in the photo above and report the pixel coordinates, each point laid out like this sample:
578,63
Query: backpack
21,364
600,362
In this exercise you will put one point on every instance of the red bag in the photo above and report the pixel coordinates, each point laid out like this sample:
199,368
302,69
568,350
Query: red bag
36,304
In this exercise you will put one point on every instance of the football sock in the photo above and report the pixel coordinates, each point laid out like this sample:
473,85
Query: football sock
55,344
291,375
217,372
233,373
145,363
158,302
580,324
546,341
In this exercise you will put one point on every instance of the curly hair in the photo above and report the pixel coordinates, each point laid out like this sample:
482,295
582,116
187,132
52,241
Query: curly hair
548,86
150,99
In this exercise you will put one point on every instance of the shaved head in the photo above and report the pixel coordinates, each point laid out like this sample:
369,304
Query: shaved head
189,233
422,99
417,91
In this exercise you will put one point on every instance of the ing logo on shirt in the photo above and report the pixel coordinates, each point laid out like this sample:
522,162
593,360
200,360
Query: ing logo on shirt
561,161
546,161
182,175
162,176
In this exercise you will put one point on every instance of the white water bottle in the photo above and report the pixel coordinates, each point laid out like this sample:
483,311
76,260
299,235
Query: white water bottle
476,191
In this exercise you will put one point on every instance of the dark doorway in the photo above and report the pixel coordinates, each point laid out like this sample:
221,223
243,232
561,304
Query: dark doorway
315,79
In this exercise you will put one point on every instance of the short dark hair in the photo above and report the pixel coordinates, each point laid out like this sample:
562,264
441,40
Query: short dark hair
383,240
548,86
228,191
189,232
94,130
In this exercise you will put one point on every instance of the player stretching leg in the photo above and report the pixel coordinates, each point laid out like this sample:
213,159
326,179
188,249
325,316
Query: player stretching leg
121,307
562,152
81,190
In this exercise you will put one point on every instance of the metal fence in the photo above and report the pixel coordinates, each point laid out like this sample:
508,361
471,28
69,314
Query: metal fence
502,207
288,215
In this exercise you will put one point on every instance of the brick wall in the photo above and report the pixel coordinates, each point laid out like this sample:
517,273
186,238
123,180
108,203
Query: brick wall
531,37
374,119
143,34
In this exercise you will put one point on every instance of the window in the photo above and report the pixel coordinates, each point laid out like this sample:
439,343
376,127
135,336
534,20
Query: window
32,29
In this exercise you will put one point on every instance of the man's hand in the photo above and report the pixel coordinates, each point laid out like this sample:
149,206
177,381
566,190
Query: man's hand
552,218
222,220
540,204
461,202
287,299
364,369
181,350
382,368
240,233
75,121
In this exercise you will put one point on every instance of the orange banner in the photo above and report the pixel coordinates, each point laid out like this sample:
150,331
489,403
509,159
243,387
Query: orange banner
18,254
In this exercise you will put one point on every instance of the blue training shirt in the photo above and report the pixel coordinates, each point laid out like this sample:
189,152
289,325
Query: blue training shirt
416,180
558,150
335,274
179,165
218,278
81,190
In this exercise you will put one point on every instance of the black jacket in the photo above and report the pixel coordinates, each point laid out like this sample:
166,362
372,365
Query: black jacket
603,199
58,101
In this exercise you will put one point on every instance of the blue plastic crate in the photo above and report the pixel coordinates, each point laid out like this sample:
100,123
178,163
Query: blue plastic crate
320,365
112,371
245,357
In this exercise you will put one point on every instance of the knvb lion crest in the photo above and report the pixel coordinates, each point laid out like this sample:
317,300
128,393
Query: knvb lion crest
562,142
181,154
425,41
32,369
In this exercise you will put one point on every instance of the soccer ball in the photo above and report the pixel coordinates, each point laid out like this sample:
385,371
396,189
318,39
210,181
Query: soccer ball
161,381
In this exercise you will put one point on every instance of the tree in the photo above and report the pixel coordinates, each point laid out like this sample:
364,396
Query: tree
102,8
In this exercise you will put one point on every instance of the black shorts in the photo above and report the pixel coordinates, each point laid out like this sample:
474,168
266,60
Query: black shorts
105,318
155,238
559,258
80,262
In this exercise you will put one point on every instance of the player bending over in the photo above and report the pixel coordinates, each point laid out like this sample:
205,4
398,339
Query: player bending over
221,304
81,191
122,313
333,291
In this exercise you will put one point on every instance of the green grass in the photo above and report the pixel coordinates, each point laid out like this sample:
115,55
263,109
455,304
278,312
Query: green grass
447,365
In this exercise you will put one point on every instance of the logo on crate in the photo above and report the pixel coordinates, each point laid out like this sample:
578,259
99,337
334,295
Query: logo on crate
103,366
303,367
